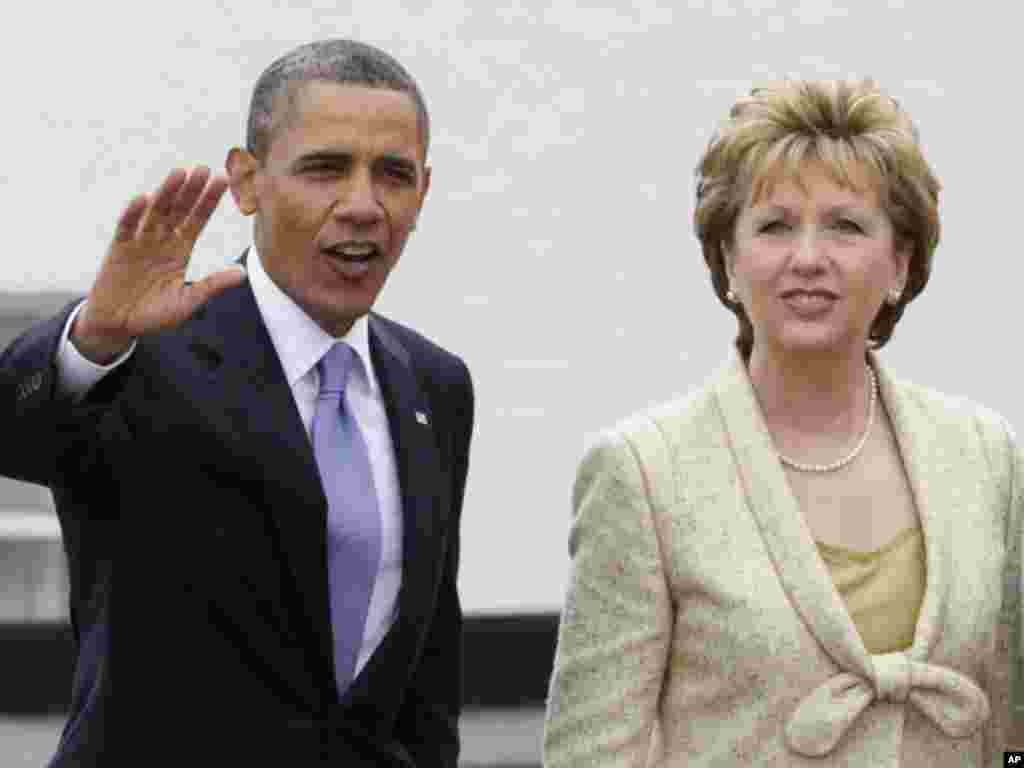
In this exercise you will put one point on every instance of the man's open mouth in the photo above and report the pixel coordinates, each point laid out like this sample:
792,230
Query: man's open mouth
352,251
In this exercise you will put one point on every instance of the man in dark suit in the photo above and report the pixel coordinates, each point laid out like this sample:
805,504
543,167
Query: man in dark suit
259,479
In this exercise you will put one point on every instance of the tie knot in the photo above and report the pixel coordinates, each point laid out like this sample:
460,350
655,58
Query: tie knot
335,367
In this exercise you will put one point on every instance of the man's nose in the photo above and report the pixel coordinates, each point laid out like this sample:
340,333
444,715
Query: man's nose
357,200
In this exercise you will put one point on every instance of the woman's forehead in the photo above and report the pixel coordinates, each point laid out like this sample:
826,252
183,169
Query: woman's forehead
813,177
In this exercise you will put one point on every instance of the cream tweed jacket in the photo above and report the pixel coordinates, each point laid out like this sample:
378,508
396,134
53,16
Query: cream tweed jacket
702,627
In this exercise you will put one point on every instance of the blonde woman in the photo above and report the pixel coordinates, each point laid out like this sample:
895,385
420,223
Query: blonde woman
809,561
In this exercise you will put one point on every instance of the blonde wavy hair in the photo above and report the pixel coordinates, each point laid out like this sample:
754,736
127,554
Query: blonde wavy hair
840,123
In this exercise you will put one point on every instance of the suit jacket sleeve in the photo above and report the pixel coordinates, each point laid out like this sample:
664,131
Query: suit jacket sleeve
429,717
50,440
616,623
1005,729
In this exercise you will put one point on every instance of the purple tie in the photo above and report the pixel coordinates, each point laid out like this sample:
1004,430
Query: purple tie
353,521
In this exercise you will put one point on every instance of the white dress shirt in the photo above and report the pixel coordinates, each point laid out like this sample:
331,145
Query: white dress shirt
300,344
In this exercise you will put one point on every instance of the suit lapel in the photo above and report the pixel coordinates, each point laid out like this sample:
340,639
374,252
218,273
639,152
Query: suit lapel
790,544
940,489
411,422
789,540
251,392
260,410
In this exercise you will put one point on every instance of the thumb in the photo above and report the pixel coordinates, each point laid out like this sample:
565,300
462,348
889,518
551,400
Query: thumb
211,285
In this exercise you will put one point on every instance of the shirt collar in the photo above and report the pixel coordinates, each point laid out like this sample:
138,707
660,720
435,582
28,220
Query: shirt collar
300,342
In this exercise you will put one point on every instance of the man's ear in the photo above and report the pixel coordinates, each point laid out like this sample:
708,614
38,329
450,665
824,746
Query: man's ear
241,167
423,194
426,183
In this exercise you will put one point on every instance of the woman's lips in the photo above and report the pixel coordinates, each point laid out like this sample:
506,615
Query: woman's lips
809,304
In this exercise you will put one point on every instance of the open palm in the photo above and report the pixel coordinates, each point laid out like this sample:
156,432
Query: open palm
140,288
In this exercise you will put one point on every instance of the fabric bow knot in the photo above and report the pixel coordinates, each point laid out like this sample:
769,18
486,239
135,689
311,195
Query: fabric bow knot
949,699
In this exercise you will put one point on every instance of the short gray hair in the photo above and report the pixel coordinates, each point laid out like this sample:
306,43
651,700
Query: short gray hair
339,61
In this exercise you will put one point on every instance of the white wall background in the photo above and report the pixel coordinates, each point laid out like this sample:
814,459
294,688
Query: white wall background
555,252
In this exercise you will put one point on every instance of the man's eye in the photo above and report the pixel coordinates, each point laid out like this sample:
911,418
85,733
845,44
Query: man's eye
399,174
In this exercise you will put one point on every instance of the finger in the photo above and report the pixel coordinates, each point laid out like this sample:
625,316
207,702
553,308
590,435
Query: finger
204,208
186,198
161,203
128,223
203,290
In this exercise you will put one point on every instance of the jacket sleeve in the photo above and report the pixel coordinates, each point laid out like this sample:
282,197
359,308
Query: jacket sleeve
39,428
1005,729
616,623
52,440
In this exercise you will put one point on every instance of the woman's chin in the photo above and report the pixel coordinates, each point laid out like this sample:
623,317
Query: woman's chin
813,341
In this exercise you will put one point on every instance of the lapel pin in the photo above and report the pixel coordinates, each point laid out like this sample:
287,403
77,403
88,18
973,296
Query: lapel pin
421,417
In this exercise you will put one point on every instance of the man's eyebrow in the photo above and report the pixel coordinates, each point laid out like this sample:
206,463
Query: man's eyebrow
344,156
323,155
398,160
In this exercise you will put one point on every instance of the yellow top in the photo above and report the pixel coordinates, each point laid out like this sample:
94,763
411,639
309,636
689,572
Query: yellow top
883,590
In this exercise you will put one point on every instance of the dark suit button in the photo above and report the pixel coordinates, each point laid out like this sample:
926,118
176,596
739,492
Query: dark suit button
219,532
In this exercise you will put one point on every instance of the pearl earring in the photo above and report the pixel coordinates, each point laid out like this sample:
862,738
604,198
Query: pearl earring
894,296
730,296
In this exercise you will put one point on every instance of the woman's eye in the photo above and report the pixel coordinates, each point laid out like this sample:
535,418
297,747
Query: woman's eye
848,225
772,227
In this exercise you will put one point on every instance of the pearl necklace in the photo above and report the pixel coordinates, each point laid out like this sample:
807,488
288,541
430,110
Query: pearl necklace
873,387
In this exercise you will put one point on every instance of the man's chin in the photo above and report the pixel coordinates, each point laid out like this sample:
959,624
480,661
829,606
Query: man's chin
335,302
338,320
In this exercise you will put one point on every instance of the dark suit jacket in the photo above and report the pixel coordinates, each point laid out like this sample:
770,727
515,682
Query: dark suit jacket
194,525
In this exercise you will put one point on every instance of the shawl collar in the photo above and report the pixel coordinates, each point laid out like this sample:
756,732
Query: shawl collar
822,718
